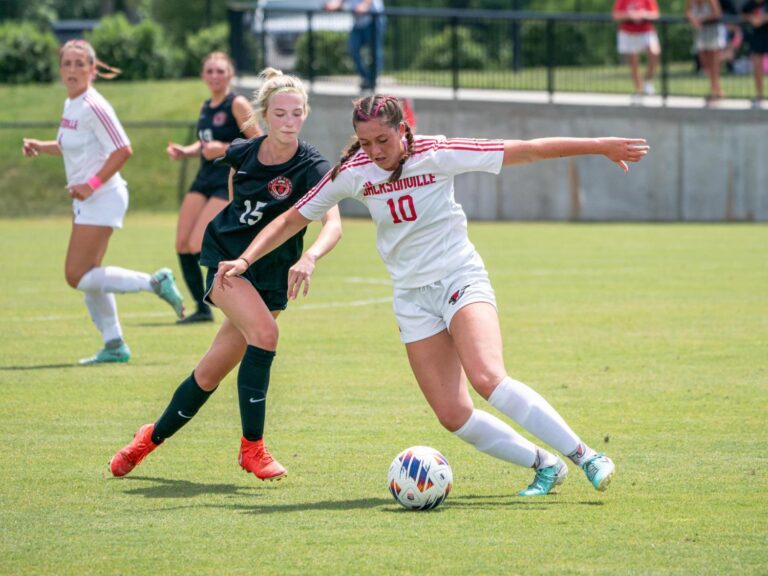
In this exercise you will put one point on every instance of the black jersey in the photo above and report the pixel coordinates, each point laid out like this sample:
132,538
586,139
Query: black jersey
261,194
215,123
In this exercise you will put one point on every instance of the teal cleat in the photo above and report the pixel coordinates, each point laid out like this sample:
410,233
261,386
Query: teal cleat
546,479
599,470
108,356
164,285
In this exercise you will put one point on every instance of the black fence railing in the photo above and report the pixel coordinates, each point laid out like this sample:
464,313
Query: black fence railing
491,49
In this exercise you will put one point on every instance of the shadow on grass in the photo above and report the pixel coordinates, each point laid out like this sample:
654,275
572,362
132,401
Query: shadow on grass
165,488
40,367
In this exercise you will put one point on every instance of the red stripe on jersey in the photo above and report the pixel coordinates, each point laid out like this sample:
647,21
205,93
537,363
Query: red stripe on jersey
106,121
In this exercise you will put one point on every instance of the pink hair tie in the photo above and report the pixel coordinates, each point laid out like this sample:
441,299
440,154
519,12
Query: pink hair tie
94,182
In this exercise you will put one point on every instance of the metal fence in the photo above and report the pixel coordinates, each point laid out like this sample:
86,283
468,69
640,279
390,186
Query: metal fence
491,49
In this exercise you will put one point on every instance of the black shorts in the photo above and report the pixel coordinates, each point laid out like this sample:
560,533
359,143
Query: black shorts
758,41
274,299
209,191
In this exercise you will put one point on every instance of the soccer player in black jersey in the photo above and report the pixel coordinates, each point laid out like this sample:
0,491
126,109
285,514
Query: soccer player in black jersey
268,175
221,121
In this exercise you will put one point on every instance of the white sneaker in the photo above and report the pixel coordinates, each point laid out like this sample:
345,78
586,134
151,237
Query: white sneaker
649,89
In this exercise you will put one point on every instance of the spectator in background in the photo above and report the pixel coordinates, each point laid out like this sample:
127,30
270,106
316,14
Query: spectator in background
367,30
705,16
637,34
754,12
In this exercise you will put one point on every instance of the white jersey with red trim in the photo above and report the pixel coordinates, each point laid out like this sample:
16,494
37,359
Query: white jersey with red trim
421,229
89,132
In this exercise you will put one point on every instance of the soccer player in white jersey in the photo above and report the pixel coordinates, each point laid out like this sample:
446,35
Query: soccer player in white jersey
443,300
95,148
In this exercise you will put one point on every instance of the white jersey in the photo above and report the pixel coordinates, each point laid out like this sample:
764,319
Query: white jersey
421,230
89,132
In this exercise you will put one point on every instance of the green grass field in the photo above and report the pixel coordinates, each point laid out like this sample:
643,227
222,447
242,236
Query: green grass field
650,339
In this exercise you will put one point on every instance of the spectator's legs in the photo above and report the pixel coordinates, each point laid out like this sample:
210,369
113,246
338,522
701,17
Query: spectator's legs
359,37
634,68
757,73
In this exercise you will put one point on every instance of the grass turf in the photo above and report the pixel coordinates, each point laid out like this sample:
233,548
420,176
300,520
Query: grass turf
649,339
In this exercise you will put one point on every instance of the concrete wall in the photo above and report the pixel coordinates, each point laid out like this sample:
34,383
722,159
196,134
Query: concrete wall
704,164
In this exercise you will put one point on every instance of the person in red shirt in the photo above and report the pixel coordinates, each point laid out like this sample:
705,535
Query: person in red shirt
637,34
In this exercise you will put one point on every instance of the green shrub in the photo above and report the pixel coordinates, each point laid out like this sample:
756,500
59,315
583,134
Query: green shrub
436,52
141,51
207,40
27,54
331,54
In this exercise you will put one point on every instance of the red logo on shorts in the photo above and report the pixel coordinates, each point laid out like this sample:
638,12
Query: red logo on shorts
456,295
280,188
219,118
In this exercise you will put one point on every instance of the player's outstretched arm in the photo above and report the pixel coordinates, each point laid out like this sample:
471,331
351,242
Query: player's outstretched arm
618,150
273,235
300,273
31,147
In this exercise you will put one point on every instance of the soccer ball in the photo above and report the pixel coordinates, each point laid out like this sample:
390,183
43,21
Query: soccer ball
420,478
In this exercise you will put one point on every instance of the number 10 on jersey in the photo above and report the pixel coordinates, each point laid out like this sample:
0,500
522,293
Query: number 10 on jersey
402,210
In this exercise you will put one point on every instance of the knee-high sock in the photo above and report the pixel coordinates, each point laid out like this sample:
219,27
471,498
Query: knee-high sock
496,438
532,412
115,279
252,385
193,276
186,401
103,310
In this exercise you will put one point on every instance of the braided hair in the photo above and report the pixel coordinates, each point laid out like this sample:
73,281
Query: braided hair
386,109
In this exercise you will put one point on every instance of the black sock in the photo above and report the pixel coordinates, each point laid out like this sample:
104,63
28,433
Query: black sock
193,276
186,401
252,384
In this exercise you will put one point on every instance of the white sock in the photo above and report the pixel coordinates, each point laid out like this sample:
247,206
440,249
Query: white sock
496,438
532,412
115,279
103,310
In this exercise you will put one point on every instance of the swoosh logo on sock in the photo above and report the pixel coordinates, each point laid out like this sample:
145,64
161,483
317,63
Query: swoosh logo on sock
255,401
180,413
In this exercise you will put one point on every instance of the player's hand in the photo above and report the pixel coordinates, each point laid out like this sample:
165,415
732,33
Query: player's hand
30,147
80,191
300,274
229,268
175,151
623,150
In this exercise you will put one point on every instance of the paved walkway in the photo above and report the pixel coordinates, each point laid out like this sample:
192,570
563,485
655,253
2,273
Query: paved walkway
348,87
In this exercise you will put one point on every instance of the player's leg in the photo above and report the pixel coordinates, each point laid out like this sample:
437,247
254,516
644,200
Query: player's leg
439,374
245,308
477,336
225,352
87,246
195,214
757,74
634,68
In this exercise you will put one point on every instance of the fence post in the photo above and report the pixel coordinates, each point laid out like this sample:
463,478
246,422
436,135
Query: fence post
550,33
664,63
310,48
455,55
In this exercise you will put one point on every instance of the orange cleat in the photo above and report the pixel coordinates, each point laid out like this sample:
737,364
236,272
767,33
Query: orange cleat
131,455
254,457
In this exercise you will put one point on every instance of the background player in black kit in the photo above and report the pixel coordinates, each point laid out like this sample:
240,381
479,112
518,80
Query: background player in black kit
221,121
268,175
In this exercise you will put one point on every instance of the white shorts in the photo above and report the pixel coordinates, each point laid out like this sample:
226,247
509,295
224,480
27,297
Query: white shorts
635,43
105,207
711,37
425,311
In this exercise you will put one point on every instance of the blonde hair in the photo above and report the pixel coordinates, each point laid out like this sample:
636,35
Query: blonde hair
274,82
219,55
102,70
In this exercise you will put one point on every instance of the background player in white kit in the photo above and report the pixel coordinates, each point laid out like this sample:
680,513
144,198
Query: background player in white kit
95,147
443,300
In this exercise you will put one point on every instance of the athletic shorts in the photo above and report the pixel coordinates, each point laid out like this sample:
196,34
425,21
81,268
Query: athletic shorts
274,299
635,43
425,311
711,37
105,207
209,191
